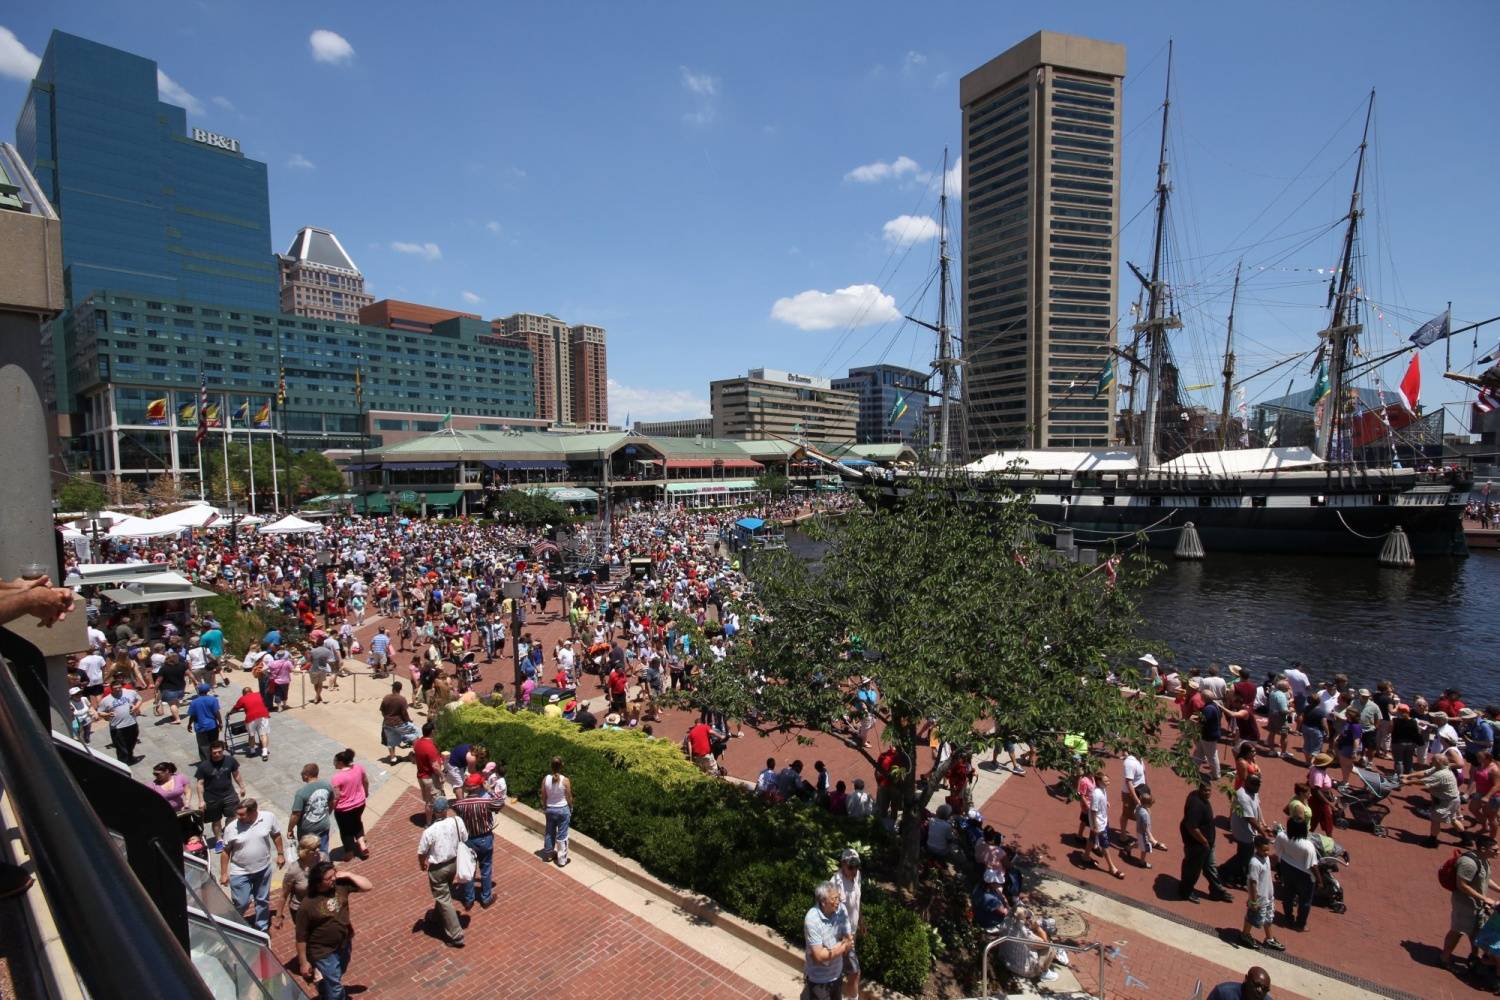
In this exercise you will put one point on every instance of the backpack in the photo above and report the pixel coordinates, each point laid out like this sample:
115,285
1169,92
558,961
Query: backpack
1448,874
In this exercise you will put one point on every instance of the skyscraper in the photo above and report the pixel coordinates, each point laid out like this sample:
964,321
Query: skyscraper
889,410
319,279
586,356
1041,205
570,367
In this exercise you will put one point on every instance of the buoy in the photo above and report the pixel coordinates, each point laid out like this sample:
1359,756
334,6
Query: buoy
1189,545
1396,552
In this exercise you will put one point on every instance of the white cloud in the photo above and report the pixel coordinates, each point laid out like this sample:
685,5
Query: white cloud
493,227
654,404
172,92
705,92
904,230
953,179
330,47
223,103
913,62
16,60
874,173
427,251
470,298
857,305
300,162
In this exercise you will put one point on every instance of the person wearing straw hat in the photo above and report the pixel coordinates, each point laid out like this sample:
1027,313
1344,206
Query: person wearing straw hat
1323,795
1442,784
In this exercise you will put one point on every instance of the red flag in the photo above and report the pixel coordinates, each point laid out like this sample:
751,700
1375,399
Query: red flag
1411,384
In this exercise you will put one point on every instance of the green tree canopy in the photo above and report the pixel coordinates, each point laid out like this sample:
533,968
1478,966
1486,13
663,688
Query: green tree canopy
963,621
81,496
527,508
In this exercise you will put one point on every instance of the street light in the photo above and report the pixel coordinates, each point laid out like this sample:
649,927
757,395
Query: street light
96,525
234,526
516,591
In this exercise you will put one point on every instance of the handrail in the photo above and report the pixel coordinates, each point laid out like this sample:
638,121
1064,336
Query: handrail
95,901
984,964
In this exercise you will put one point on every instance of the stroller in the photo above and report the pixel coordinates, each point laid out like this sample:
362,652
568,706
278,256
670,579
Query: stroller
1364,807
468,669
1331,856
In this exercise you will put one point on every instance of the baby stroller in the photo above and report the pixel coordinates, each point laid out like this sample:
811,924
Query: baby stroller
468,669
1364,807
1331,857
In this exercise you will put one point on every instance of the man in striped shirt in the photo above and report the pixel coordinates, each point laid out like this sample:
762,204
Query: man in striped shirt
380,653
477,809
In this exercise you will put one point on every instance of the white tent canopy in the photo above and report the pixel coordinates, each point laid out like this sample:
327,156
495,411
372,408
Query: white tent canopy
140,527
1234,463
195,515
1041,461
290,525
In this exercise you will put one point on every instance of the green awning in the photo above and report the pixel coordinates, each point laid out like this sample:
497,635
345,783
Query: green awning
448,499
376,503
712,486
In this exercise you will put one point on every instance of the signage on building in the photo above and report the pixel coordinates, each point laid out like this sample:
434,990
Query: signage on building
216,140
407,496
790,378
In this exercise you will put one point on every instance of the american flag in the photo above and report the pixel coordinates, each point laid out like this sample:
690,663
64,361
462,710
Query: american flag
1487,402
202,407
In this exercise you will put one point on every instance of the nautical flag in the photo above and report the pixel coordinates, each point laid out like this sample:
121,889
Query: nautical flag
202,408
446,422
1410,390
209,416
899,410
242,413
1106,378
263,415
281,389
1320,385
1431,331
156,411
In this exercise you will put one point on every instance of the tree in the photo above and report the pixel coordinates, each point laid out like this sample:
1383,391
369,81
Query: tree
124,492
963,621
773,483
526,508
314,474
164,494
81,496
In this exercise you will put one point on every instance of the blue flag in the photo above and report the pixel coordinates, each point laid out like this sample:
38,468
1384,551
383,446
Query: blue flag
1431,331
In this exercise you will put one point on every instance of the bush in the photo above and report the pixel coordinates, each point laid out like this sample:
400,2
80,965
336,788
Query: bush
241,627
643,799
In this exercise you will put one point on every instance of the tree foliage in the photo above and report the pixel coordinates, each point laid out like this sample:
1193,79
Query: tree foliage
305,474
522,507
964,621
773,483
81,496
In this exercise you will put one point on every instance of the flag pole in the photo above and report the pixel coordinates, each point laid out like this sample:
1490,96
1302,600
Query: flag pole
250,445
275,487
202,494
224,437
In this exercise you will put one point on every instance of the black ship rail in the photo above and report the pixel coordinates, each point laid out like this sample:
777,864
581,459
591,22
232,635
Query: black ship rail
94,901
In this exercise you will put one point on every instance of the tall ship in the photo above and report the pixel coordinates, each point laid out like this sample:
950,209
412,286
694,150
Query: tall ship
1322,498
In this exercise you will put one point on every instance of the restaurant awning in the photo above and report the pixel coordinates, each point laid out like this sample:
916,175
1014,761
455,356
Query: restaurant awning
712,486
361,466
448,499
419,466
375,503
526,465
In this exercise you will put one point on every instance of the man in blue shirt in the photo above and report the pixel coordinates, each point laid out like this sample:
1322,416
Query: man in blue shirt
380,647
1257,986
826,928
273,638
205,719
989,902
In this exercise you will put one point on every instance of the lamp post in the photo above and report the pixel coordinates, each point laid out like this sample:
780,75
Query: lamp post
515,590
96,525
234,525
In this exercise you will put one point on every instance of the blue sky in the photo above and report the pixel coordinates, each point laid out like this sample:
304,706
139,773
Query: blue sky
688,175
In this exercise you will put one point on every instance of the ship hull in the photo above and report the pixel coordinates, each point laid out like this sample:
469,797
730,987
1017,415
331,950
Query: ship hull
1298,515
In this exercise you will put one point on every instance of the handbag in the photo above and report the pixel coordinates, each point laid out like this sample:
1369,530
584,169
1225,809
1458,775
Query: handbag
468,862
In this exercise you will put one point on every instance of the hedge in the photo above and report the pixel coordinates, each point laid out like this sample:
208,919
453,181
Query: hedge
241,627
643,799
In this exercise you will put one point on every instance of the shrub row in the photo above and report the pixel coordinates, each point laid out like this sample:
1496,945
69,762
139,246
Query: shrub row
643,799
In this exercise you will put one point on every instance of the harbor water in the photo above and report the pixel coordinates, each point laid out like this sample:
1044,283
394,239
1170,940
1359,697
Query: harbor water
1425,628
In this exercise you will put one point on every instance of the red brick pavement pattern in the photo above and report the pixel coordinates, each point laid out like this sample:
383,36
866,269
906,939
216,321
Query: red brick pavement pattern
546,935
1397,914
1140,968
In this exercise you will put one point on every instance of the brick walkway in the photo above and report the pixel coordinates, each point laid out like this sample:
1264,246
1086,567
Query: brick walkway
545,935
1397,914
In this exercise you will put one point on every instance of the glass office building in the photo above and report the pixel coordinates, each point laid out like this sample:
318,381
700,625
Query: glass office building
890,411
147,202
135,367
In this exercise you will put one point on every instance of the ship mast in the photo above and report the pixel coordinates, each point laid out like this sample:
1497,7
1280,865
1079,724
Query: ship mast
947,362
1229,363
1157,322
1341,334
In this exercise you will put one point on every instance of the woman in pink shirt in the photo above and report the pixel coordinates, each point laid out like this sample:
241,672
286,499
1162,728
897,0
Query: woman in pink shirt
352,786
280,674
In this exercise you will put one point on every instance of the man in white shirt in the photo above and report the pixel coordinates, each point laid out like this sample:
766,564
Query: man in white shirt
92,666
1300,683
437,854
1135,776
251,843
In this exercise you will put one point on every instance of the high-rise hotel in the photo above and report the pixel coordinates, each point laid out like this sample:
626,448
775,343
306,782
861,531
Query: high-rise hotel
1041,206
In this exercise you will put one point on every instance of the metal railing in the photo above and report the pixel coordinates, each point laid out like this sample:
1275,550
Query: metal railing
1035,945
95,898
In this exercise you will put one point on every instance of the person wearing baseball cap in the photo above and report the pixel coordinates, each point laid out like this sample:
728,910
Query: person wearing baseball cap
477,809
205,719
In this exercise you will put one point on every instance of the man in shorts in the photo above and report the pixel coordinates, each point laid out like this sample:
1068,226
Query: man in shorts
218,776
429,762
380,653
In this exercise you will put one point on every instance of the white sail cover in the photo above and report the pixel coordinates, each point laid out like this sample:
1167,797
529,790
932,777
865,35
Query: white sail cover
1045,461
1234,463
